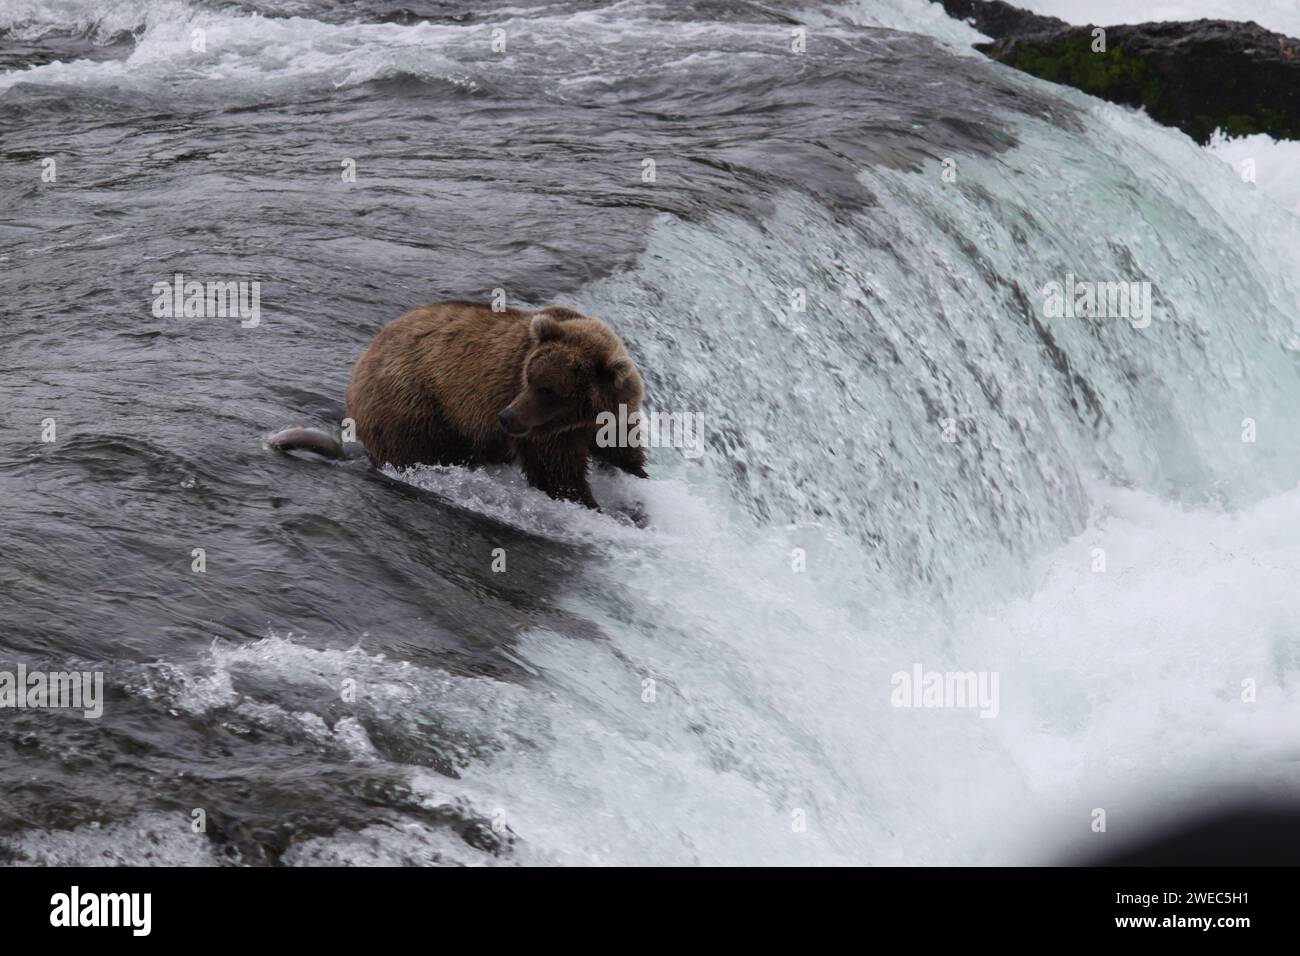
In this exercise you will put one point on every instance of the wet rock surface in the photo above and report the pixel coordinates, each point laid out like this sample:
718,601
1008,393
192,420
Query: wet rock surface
1199,76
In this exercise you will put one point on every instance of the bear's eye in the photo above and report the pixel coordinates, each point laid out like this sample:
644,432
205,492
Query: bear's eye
556,385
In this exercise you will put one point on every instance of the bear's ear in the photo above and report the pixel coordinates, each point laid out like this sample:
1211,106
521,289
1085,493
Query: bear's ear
620,370
562,313
543,328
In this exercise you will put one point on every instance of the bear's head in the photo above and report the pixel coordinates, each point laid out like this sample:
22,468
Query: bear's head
575,369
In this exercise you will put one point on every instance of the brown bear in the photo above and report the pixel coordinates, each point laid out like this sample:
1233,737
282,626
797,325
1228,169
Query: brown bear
456,383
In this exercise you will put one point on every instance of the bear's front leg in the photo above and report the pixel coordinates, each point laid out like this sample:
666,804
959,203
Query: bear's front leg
559,468
629,458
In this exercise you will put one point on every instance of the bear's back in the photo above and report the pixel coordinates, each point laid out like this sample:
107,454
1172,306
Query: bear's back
430,386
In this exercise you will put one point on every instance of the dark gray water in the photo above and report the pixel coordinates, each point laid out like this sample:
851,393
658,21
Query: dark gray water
498,710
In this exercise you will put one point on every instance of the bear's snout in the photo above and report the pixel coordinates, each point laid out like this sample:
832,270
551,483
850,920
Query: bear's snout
510,422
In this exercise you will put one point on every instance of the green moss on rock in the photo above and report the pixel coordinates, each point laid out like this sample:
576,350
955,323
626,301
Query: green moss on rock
1113,75
1199,76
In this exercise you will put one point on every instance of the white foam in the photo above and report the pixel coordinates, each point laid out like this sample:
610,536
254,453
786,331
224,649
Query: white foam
245,53
99,19
211,53
1119,690
501,493
151,839
1274,164
206,52
911,16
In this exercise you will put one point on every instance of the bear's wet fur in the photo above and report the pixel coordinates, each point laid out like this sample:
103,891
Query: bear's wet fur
456,383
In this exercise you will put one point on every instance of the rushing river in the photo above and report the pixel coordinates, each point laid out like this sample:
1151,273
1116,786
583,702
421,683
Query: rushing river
825,229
